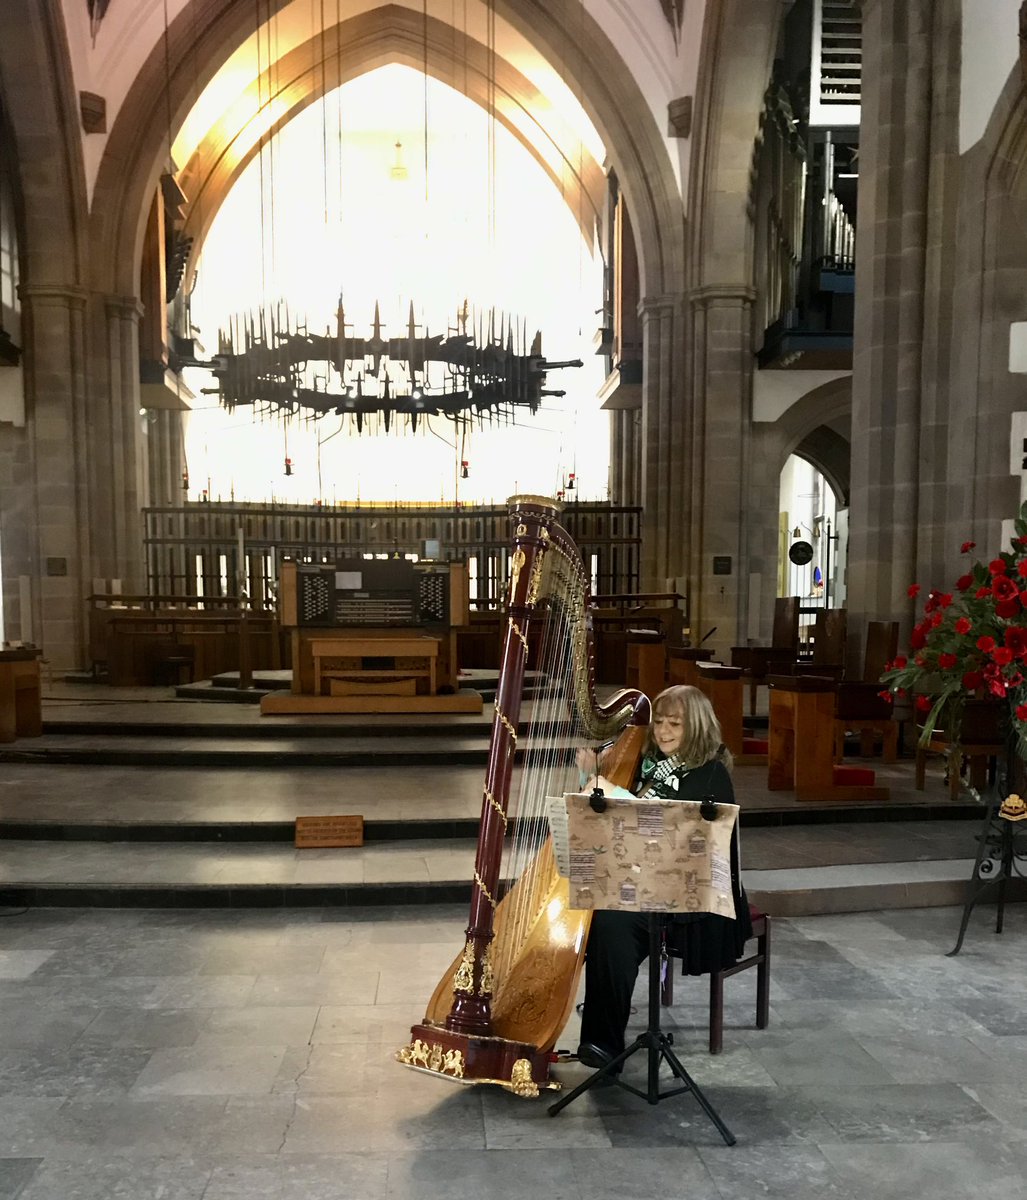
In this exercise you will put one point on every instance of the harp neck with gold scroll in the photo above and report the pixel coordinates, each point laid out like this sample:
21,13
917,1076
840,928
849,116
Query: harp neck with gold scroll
497,1012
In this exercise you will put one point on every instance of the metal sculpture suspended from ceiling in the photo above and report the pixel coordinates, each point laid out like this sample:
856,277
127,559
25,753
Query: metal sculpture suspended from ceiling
481,370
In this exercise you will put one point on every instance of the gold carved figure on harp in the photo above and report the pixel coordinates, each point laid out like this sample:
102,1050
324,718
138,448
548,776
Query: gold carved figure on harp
510,990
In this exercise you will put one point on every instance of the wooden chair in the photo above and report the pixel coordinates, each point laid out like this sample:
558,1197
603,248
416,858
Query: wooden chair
760,960
760,661
859,707
981,741
829,637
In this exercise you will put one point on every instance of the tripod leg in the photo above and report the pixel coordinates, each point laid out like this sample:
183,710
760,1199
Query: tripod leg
693,1087
597,1077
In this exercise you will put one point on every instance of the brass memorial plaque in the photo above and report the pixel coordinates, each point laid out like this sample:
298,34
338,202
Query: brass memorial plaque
326,832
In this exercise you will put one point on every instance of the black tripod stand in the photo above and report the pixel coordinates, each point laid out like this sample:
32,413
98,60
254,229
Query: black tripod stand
658,1044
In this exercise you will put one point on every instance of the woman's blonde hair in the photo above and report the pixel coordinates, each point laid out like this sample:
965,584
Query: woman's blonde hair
701,738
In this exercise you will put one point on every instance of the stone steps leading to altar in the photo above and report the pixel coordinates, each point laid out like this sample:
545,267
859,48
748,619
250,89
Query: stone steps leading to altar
159,802
412,872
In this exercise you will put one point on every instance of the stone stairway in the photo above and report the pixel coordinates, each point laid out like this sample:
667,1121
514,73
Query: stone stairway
181,804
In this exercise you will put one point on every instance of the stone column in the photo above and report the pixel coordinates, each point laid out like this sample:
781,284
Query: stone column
126,490
717,465
663,442
55,504
625,461
889,323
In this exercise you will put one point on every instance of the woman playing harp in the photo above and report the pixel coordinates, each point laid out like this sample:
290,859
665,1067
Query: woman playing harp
497,1012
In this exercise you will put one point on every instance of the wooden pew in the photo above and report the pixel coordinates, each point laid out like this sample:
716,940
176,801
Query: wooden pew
801,752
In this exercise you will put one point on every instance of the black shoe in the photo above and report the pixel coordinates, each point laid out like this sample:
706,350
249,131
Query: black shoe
593,1056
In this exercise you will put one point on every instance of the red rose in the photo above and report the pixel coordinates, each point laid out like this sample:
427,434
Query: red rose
1002,655
1005,589
932,603
888,697
982,592
1021,712
997,687
997,566
1007,608
913,591
900,662
987,644
923,704
963,625
947,661
967,547
945,599
964,581
918,638
1021,568
1021,540
936,619
1016,639
972,680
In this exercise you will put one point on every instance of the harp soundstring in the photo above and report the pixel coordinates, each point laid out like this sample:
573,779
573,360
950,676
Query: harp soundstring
548,769
542,774
535,771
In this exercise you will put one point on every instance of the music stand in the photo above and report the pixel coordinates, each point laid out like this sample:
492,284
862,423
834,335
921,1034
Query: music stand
653,1041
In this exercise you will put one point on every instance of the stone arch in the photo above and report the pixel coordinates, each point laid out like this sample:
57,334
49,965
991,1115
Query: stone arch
392,34
207,31
42,114
805,429
826,450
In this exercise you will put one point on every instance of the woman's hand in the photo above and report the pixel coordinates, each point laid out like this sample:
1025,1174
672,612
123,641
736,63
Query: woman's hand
588,760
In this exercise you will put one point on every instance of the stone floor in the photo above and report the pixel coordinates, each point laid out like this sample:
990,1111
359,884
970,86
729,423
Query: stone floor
225,1055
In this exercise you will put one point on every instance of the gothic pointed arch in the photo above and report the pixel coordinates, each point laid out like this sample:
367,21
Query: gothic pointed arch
206,32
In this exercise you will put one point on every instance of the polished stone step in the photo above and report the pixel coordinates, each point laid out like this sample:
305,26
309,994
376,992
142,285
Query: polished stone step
410,873
834,869
153,750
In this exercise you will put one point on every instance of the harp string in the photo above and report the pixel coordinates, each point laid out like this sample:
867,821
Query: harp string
546,764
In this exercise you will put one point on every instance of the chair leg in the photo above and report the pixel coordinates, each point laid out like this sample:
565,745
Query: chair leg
716,1012
866,743
763,979
921,768
752,697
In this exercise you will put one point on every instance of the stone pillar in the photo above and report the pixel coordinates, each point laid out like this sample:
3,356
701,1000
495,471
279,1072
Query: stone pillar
663,442
625,460
55,504
717,464
166,457
889,323
126,491
937,544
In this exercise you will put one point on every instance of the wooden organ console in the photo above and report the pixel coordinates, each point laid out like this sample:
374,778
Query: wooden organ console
373,635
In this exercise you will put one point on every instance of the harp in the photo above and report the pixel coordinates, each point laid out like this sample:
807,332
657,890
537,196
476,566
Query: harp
497,1012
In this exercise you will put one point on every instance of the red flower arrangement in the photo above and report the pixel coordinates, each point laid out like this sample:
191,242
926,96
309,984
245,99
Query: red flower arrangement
971,641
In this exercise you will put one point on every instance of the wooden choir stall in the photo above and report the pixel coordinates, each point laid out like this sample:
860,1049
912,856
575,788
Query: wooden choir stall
373,636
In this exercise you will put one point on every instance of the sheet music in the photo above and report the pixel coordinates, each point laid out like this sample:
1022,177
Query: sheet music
645,855
556,810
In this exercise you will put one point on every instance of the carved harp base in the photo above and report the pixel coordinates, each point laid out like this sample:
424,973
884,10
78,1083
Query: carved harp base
461,1058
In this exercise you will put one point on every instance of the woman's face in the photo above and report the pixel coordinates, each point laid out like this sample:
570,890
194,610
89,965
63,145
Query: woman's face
669,729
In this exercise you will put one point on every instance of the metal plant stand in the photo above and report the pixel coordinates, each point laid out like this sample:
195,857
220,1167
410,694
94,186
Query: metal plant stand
1001,856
